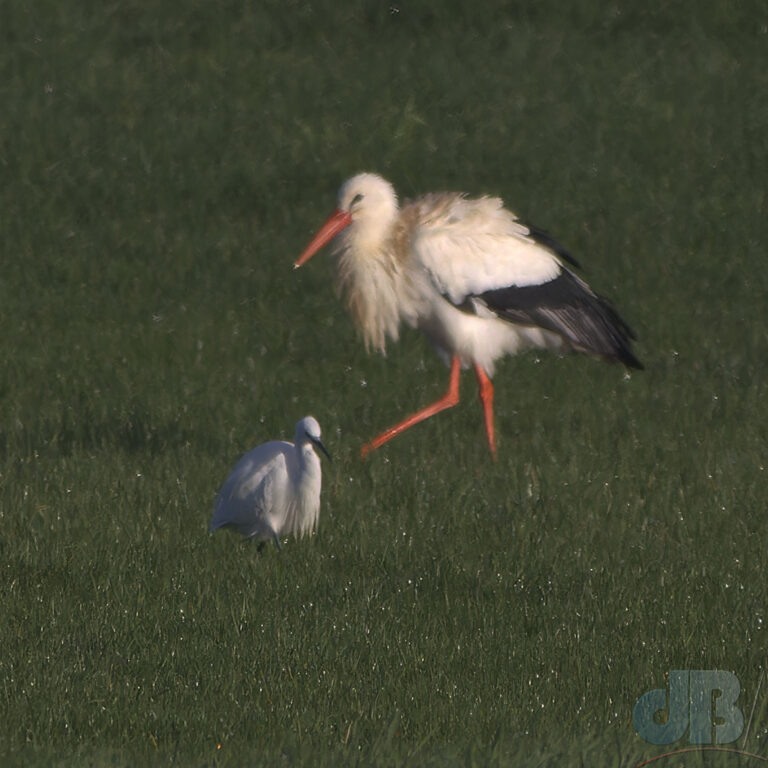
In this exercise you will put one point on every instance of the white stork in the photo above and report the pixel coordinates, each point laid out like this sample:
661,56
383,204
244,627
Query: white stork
471,276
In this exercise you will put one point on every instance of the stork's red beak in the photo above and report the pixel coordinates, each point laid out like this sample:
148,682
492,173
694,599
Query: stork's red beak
337,221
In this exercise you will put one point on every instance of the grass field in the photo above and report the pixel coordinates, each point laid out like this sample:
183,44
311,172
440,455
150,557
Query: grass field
162,166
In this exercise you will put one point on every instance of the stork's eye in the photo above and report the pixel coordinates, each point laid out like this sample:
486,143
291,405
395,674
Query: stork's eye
356,199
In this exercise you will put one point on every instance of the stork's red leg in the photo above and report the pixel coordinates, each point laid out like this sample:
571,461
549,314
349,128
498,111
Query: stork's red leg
448,400
486,398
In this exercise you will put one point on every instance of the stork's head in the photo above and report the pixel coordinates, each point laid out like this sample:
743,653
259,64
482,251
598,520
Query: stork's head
368,197
368,203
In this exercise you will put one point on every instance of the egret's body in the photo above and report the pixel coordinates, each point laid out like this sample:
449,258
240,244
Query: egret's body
468,274
274,489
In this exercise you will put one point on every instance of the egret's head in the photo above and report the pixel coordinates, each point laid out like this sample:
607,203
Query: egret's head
308,432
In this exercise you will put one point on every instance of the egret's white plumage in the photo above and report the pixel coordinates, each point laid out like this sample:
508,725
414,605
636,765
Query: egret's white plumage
275,488
470,275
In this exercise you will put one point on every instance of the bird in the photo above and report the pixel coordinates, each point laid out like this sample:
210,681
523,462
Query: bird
468,274
274,488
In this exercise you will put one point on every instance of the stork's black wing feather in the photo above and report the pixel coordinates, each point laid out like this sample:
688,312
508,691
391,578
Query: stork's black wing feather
567,306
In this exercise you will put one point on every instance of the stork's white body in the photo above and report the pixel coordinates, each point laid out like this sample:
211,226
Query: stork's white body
427,252
468,274
274,489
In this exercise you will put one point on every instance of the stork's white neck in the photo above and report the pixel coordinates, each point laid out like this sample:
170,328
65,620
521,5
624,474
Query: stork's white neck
370,254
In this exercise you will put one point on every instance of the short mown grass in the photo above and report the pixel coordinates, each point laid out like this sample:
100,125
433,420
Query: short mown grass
163,165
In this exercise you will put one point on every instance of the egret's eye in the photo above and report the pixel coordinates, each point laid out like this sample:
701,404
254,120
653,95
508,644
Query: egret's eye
356,199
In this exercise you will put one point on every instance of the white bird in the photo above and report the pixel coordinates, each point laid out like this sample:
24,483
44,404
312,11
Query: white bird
471,276
274,489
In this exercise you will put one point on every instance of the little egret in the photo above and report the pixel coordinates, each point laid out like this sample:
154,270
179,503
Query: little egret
275,488
471,276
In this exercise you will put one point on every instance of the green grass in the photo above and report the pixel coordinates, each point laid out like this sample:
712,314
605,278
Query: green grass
163,165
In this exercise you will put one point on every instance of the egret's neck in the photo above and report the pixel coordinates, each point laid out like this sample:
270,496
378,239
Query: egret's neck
303,514
311,477
308,462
